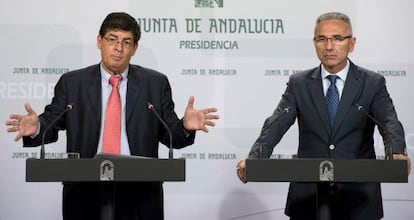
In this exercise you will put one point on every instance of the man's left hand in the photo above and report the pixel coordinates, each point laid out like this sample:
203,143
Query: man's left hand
195,119
403,157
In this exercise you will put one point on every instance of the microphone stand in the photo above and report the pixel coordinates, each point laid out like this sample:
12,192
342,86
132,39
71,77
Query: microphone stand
42,147
170,150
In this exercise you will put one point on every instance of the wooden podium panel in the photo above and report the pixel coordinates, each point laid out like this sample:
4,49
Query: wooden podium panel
106,169
331,170
121,169
326,171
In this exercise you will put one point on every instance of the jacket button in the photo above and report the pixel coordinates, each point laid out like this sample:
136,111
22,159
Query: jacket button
332,147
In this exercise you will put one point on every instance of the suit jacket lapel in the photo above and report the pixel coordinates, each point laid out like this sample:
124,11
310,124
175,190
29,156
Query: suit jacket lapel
316,91
94,98
95,91
133,90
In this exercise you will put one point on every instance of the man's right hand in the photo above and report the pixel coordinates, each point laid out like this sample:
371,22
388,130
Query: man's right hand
241,170
25,125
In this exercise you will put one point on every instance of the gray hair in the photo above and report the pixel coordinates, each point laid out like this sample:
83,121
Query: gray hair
335,16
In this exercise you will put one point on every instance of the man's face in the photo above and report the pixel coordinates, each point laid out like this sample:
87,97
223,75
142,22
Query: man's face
117,47
333,42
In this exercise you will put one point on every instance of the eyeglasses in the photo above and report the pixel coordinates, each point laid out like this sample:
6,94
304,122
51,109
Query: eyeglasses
336,39
113,41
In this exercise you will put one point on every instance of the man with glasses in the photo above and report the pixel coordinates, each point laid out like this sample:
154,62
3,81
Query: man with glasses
110,115
326,101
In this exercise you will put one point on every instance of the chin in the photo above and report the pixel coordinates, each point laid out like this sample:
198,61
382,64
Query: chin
330,63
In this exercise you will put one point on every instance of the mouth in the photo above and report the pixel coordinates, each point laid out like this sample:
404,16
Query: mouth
116,57
330,57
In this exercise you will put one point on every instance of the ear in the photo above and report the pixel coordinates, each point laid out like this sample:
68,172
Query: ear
352,44
135,49
99,41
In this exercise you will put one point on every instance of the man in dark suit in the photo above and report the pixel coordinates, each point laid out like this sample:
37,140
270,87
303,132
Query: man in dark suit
140,131
348,134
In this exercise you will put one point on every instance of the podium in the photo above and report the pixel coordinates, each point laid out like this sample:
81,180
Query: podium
326,171
106,170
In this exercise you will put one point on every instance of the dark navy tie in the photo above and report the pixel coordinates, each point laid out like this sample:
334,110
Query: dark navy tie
332,99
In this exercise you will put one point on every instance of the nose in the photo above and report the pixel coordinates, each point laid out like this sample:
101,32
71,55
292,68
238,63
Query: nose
119,46
329,44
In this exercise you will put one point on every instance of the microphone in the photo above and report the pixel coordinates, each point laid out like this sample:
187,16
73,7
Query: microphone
387,144
284,111
170,150
42,147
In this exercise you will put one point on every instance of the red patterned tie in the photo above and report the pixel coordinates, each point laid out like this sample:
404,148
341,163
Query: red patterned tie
112,127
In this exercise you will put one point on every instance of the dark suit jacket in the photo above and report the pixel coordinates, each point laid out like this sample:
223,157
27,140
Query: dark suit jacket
82,124
351,135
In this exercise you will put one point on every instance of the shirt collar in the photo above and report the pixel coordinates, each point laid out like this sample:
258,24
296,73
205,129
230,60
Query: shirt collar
105,75
342,73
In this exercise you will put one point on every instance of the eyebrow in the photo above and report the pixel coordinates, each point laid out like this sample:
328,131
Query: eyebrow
113,35
338,34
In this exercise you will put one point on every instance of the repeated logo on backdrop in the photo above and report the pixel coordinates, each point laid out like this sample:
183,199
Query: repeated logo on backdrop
208,3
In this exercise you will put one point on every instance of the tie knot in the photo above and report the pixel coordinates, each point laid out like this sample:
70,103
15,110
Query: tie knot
332,78
114,81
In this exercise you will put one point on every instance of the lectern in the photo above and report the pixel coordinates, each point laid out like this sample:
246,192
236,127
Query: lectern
325,171
107,170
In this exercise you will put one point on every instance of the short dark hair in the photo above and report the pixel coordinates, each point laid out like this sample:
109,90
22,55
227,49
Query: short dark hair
120,21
